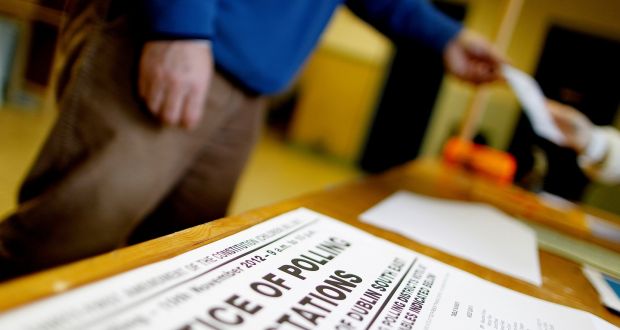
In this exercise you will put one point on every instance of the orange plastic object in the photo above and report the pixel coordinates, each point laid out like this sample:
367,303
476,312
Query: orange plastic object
494,164
458,151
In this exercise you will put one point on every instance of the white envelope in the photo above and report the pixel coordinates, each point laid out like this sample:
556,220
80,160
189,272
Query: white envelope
532,99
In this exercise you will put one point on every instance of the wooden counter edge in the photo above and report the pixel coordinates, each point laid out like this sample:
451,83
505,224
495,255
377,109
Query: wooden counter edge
40,285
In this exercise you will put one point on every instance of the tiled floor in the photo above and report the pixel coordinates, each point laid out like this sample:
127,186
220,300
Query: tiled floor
276,170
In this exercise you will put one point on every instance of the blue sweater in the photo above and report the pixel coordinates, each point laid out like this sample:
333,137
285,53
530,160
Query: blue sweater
263,43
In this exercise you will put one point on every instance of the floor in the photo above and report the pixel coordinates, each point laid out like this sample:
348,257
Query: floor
276,171
21,133
279,170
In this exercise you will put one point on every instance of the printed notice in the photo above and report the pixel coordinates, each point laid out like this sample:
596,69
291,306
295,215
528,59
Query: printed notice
300,270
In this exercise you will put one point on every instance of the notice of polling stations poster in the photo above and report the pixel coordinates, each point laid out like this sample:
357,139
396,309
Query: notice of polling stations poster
301,270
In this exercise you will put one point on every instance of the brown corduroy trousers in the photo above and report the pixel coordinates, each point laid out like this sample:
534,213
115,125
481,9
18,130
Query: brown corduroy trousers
109,173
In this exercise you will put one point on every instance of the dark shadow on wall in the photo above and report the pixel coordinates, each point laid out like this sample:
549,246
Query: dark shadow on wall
406,105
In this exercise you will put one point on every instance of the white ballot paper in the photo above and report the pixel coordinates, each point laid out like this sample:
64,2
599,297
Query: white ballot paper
532,99
300,270
473,231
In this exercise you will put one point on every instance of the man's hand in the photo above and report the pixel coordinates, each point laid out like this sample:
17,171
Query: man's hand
575,126
470,57
174,79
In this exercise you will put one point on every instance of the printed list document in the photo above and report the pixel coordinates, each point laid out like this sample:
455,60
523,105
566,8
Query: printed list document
298,271
533,101
472,231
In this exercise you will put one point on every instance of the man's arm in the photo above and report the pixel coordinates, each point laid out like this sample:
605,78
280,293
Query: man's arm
403,20
466,55
176,65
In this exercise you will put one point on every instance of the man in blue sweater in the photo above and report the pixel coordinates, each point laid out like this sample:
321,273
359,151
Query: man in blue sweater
160,104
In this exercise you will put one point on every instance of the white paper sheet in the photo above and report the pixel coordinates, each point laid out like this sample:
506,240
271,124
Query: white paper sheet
256,280
601,324
476,232
532,99
601,282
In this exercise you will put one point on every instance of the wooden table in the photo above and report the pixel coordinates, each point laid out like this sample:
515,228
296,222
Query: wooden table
563,281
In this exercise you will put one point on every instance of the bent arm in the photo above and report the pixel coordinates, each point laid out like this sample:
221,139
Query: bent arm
408,20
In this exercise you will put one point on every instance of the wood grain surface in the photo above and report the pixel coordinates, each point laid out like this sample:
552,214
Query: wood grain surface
563,281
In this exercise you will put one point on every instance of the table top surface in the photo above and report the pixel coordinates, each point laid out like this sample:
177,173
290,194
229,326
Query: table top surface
563,281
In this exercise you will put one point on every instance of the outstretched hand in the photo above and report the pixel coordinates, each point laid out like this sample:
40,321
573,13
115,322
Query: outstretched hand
472,58
174,80
575,126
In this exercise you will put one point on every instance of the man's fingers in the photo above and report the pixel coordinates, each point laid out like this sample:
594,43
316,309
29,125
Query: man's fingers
479,70
174,78
192,109
485,60
172,105
483,71
473,72
154,98
486,72
472,58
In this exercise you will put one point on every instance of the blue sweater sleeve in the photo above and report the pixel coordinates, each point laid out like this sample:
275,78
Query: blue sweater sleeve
184,19
407,19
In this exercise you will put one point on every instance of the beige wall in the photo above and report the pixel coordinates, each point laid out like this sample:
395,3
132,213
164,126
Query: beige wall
600,17
340,87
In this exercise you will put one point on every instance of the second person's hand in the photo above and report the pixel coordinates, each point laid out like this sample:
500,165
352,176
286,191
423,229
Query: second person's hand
575,126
